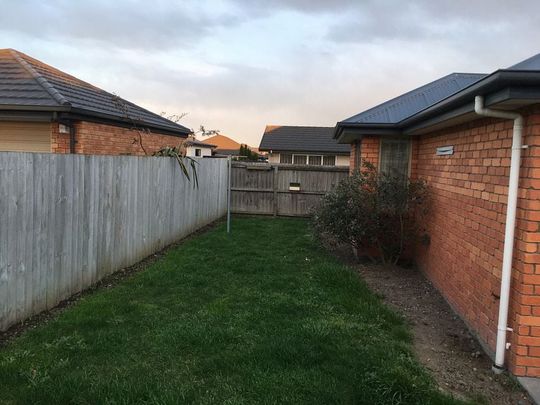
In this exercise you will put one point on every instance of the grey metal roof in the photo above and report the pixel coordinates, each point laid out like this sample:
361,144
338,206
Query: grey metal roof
28,83
532,63
408,104
301,139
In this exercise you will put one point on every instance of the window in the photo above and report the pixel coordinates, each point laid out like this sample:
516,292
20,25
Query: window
329,161
300,159
285,158
197,152
357,155
395,157
315,160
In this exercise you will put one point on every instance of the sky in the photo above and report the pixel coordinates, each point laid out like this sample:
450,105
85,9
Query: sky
238,65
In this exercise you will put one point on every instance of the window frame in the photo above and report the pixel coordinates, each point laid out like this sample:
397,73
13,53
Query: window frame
396,139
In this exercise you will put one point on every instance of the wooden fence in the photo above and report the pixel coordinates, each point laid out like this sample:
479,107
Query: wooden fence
66,221
287,190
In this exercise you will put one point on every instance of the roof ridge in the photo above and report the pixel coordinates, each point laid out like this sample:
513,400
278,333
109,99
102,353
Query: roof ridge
49,88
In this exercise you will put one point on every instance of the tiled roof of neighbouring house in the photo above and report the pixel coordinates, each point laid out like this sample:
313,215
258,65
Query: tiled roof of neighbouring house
408,104
301,139
26,83
223,142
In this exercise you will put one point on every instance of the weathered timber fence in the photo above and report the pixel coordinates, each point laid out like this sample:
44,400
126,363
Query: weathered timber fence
66,221
287,190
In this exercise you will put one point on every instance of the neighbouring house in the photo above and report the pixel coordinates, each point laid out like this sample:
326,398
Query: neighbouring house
442,132
225,146
302,145
196,148
43,109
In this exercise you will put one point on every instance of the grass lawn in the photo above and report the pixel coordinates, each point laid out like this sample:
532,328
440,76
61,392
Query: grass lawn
261,316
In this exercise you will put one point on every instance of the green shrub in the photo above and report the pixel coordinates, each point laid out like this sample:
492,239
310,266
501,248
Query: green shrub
376,213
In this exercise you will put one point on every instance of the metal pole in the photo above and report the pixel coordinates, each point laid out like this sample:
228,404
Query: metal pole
229,167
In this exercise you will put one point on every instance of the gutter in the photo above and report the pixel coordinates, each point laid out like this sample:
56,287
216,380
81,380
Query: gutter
513,187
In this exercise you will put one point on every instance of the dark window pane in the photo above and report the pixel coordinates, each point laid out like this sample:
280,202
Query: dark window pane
300,159
329,160
315,160
395,157
285,158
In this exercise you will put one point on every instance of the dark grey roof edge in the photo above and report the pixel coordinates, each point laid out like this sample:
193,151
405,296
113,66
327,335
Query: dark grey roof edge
272,127
49,88
454,74
195,142
306,151
173,124
63,105
480,87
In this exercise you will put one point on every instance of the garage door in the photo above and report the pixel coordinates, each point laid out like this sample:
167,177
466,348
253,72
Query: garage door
25,136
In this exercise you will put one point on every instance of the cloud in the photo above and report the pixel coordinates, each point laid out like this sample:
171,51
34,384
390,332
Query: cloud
128,24
459,20
238,65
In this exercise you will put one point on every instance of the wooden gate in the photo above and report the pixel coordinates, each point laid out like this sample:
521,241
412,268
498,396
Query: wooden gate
287,190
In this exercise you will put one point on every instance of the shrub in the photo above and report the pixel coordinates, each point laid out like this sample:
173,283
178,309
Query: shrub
376,213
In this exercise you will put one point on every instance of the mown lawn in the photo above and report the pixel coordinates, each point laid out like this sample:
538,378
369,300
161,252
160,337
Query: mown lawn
261,316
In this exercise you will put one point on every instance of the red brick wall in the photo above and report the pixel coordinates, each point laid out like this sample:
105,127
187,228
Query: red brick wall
466,227
59,142
102,139
369,151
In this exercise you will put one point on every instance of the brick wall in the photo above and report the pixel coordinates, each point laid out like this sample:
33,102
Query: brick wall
102,139
466,227
59,142
369,151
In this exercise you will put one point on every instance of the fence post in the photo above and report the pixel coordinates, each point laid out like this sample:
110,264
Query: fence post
229,168
275,188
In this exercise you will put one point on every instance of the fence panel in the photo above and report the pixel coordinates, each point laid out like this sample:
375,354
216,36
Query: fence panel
66,221
288,190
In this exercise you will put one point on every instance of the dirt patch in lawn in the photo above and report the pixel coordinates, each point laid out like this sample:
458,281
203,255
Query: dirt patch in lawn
442,342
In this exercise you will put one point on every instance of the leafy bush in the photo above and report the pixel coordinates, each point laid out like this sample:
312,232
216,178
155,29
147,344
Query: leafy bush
178,153
375,213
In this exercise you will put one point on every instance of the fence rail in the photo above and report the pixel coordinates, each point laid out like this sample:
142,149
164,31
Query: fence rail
66,221
287,190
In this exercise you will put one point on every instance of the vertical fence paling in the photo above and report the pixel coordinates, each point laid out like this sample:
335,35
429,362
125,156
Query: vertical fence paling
66,221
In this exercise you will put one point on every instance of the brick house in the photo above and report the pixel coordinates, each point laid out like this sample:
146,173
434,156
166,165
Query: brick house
45,110
439,132
301,145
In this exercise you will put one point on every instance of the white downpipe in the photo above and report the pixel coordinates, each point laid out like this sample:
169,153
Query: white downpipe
513,186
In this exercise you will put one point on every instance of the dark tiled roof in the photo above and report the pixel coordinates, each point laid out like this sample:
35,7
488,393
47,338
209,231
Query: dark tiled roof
408,104
301,139
30,84
195,142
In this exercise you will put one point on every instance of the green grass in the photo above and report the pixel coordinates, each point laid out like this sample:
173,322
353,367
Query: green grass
261,316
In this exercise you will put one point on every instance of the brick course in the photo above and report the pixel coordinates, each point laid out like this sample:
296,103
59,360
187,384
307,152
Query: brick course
102,139
466,227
